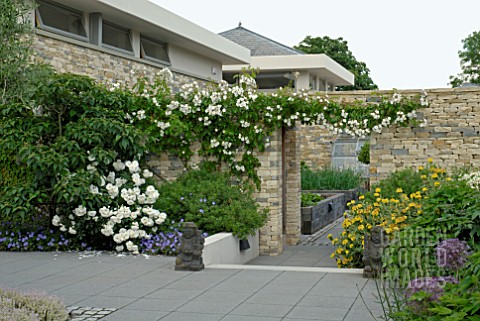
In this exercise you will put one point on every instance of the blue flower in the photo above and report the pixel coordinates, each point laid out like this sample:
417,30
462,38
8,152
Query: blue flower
213,203
202,211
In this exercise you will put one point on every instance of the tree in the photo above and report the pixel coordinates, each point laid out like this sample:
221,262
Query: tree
337,49
469,61
18,75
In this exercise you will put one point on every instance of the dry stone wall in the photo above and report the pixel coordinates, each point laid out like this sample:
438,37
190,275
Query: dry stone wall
451,137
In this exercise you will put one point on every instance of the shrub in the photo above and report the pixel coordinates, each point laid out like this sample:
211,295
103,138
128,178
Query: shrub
409,180
117,211
330,179
393,212
364,154
310,199
212,202
31,306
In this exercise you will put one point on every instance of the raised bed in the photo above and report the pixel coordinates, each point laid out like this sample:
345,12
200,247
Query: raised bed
325,212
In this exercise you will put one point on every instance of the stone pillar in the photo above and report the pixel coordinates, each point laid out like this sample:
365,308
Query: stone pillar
293,186
270,196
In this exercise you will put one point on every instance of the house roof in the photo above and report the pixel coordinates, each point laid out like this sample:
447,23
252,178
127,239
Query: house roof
258,44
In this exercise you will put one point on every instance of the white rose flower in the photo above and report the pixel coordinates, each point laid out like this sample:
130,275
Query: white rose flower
92,213
119,248
80,211
56,220
105,212
147,173
111,177
117,238
133,166
94,189
118,165
72,231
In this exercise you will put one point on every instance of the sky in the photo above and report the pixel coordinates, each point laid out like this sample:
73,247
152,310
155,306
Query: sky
409,44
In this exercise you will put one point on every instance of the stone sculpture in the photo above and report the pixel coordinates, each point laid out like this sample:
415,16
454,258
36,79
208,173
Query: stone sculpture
372,252
189,257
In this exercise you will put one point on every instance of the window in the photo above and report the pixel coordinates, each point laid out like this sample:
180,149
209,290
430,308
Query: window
154,50
60,19
117,37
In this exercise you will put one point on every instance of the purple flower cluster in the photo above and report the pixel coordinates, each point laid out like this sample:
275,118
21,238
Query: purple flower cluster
161,243
165,243
452,254
431,285
41,240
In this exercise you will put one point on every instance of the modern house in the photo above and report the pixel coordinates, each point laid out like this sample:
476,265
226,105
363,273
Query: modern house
280,65
107,39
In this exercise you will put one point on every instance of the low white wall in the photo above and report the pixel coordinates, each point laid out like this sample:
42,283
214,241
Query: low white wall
224,248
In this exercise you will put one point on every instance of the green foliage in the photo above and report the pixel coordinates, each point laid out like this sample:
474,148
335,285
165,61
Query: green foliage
311,199
42,305
18,76
330,179
212,202
73,119
453,208
408,179
364,155
337,49
459,301
469,61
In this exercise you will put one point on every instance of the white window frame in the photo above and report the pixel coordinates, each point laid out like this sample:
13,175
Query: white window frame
43,26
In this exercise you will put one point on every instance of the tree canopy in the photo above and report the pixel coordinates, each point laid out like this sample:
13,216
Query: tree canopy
337,49
469,61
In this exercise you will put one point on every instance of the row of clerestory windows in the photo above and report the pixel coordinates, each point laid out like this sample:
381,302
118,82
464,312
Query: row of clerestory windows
53,17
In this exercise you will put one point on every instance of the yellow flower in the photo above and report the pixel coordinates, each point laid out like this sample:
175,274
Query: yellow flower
378,190
399,190
436,183
369,226
430,160
332,255
361,227
423,176
361,197
435,175
376,195
420,168
448,179
339,250
351,245
345,242
330,236
347,251
424,189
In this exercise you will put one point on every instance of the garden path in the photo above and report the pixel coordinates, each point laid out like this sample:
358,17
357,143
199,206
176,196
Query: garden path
312,251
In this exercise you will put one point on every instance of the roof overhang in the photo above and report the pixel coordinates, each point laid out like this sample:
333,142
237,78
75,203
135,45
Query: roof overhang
317,64
157,22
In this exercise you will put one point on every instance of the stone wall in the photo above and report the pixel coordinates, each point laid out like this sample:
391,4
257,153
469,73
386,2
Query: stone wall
270,193
451,137
317,146
102,65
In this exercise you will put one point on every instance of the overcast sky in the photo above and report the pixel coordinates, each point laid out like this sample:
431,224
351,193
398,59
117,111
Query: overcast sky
409,44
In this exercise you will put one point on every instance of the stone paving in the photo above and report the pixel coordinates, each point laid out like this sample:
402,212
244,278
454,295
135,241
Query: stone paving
148,289
301,284
312,251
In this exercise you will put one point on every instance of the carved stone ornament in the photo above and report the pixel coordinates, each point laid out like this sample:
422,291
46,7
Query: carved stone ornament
189,256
